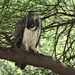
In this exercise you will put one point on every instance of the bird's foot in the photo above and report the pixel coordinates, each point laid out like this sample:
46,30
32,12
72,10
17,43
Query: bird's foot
27,51
36,52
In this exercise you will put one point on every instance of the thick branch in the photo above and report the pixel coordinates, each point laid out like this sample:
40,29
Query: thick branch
19,56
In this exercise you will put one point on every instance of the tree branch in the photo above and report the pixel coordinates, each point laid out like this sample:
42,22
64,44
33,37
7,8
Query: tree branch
57,24
20,56
6,37
72,15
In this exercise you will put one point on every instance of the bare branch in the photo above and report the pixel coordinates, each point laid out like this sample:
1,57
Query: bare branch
45,17
68,34
66,14
6,37
57,24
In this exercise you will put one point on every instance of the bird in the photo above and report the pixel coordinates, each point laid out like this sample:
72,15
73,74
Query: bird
27,33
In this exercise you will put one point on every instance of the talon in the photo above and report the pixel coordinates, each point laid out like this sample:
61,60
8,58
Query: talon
27,51
36,52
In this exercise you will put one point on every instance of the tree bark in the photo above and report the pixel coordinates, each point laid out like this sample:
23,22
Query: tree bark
19,56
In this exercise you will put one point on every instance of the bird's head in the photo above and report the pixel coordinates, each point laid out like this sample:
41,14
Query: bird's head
32,20
32,15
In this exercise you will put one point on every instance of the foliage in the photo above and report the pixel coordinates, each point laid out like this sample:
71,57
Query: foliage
58,31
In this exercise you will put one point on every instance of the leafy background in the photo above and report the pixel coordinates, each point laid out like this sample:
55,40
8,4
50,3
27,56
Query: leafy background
58,31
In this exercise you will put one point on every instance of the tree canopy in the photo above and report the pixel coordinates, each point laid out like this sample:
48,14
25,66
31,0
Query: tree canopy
58,32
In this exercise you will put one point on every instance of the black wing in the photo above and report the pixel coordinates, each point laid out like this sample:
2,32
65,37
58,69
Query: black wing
19,29
39,31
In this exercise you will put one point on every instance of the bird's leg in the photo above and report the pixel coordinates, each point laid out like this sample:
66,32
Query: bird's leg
33,47
26,47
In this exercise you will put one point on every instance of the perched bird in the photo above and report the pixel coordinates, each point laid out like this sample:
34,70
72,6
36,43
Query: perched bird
28,31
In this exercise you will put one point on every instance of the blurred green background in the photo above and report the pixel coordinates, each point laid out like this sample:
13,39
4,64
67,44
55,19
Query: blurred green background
58,31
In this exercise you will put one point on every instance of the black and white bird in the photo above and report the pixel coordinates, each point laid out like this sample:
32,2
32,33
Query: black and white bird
28,31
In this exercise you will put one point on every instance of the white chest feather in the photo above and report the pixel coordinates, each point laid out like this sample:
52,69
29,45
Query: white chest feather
29,39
